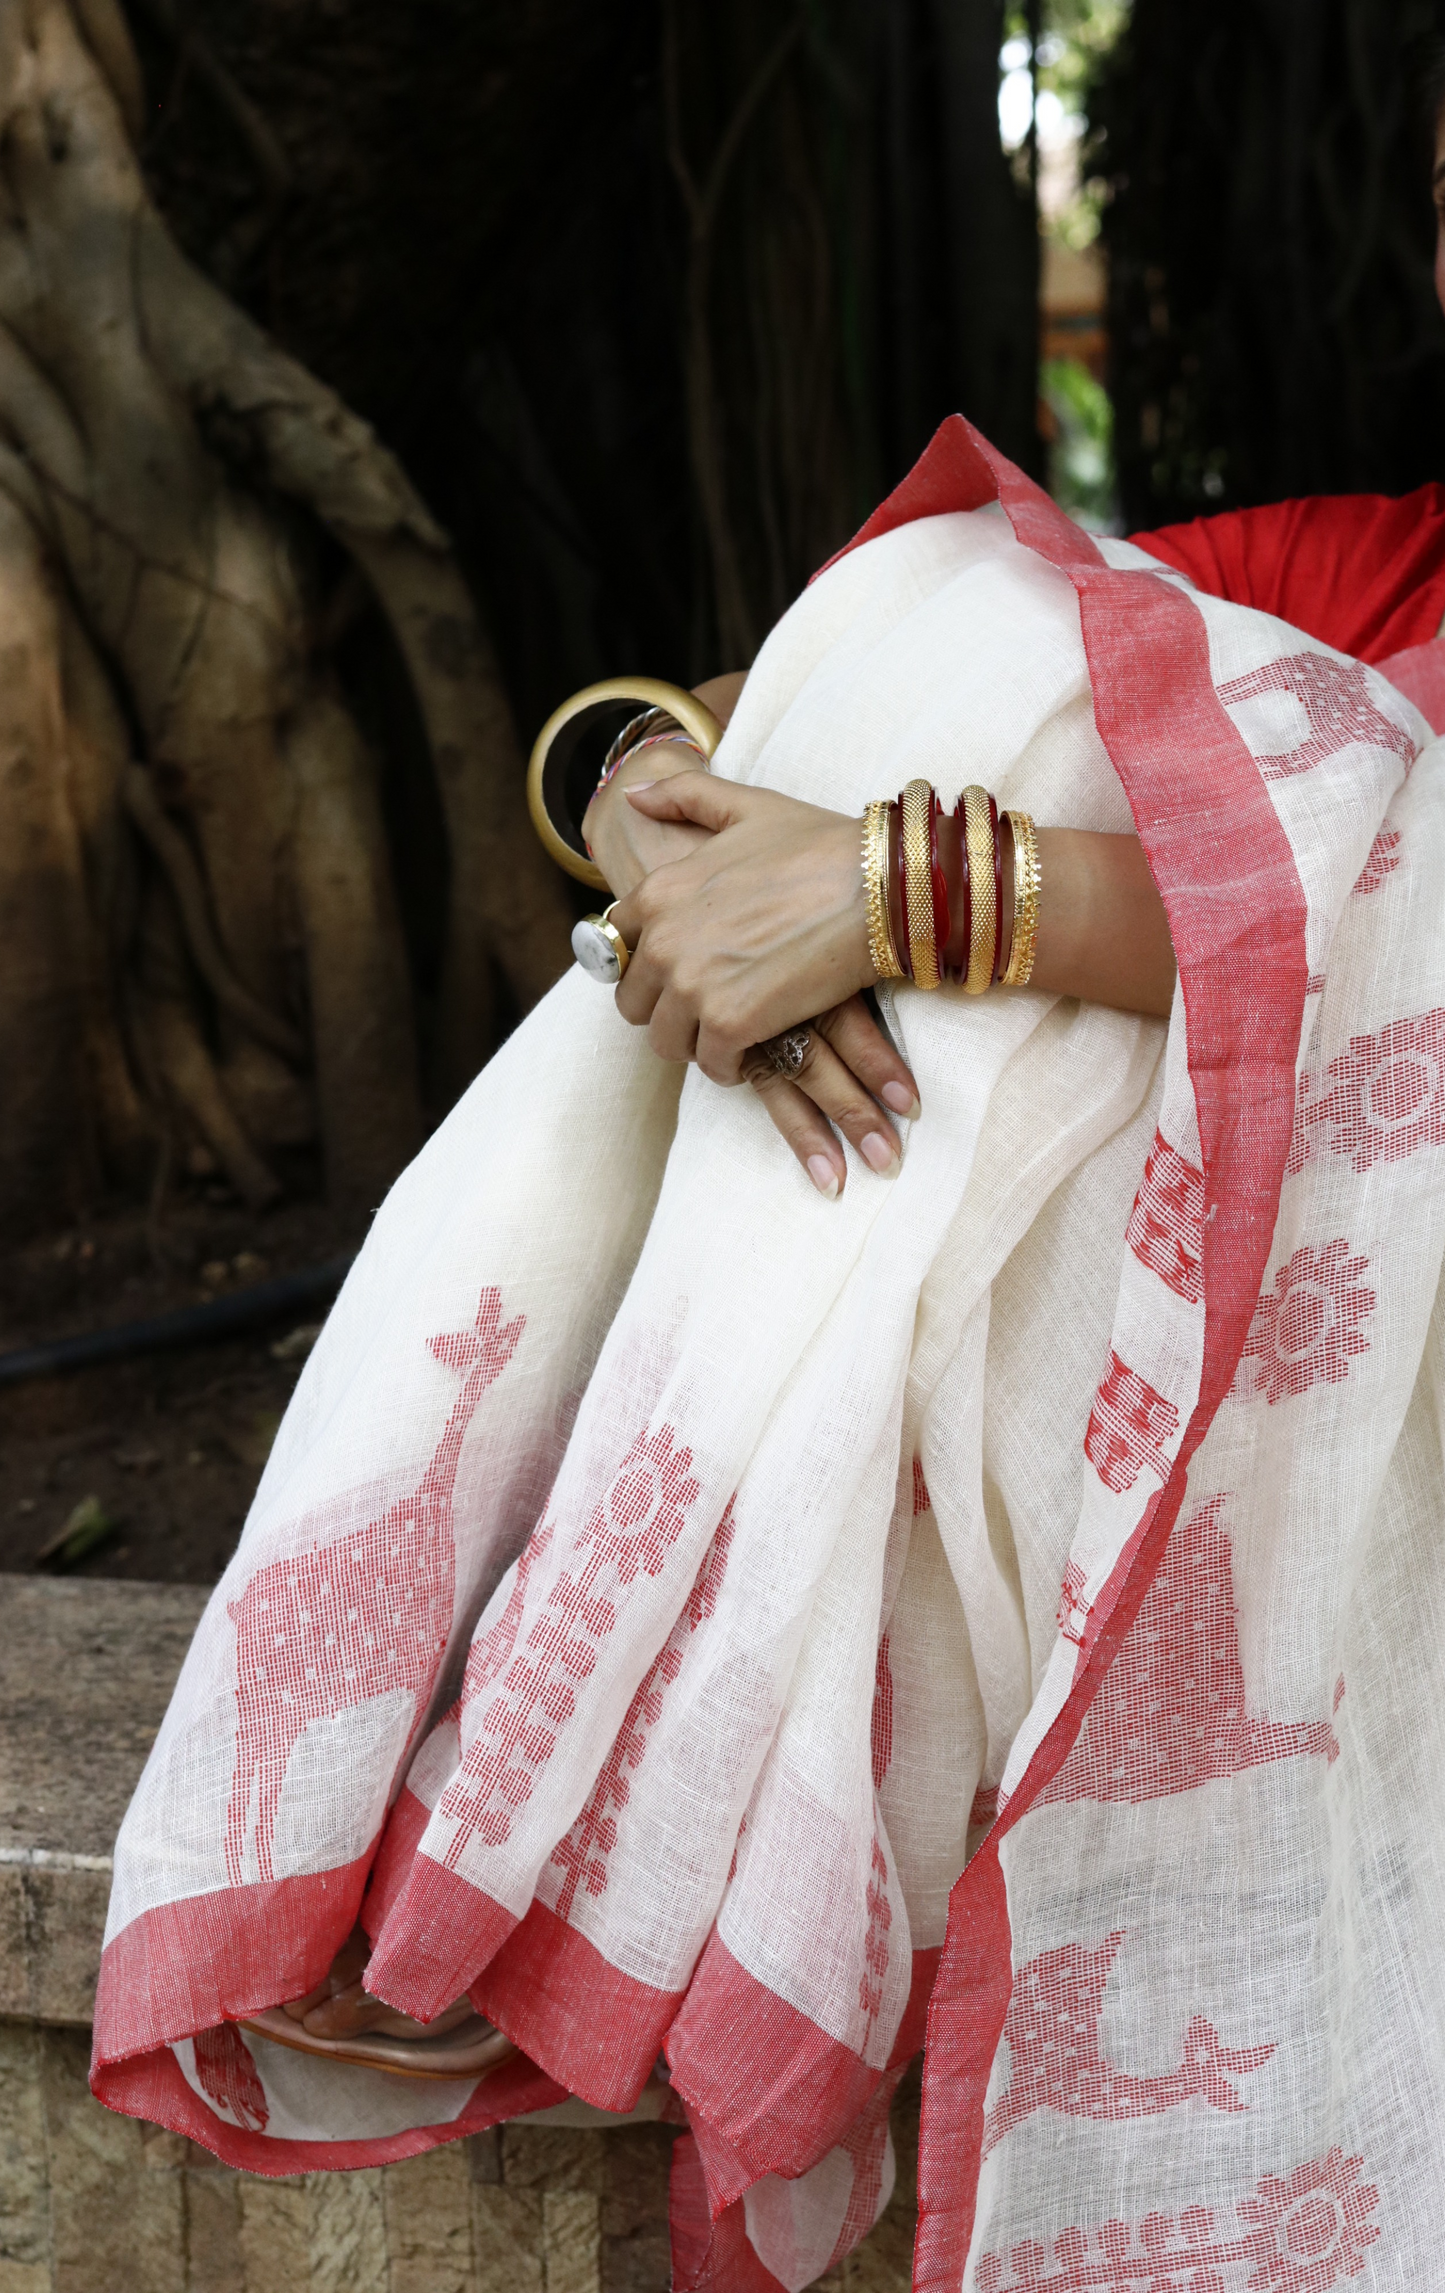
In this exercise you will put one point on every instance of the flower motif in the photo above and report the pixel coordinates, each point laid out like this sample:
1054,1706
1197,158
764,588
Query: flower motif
1308,2232
646,1506
1384,1096
1307,1331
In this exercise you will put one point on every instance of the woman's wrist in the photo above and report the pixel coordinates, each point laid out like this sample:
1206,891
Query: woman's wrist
619,836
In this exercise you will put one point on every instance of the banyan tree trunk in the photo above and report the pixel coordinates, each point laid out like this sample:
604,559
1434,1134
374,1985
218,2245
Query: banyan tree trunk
202,938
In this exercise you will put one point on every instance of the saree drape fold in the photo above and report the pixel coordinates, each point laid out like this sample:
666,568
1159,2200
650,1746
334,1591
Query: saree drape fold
705,1622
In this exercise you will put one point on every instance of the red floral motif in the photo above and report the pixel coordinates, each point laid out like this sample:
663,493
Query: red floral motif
1336,698
1383,1098
228,2077
323,1631
1171,1712
881,1727
1127,1427
1166,1226
1312,2229
1055,2062
1308,1329
875,1942
631,1530
582,1855
1303,2235
1383,860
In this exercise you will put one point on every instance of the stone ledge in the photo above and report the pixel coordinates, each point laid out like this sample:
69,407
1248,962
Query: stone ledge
86,1672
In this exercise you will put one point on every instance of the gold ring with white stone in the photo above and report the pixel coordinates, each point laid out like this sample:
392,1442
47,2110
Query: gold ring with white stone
600,948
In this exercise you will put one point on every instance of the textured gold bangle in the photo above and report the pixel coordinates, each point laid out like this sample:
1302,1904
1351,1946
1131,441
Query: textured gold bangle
1028,877
877,835
978,839
913,823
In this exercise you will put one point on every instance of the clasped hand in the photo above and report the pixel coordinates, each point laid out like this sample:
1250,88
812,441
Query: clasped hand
749,920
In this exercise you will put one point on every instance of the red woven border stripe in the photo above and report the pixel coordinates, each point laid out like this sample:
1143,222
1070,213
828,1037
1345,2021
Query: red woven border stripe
708,2256
154,2087
596,2029
1236,912
440,1933
208,1959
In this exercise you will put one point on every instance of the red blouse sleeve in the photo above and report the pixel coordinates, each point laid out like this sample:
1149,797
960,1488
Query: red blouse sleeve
1359,571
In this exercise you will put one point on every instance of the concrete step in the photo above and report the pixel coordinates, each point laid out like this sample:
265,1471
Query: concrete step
90,2203
86,1672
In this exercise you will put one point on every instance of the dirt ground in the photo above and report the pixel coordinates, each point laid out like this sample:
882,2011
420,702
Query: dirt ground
169,1446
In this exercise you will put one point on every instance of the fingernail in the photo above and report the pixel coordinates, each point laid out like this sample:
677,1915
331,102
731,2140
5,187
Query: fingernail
635,787
823,1175
878,1152
901,1100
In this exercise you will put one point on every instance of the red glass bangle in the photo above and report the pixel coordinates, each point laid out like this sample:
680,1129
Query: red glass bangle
905,950
960,969
997,885
941,916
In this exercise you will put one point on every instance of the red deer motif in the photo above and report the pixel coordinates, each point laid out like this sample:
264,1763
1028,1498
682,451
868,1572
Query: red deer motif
1055,2060
1128,1427
1170,1713
1338,702
1166,1226
228,2077
321,1632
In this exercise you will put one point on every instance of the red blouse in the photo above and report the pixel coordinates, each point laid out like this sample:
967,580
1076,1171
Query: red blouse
1359,571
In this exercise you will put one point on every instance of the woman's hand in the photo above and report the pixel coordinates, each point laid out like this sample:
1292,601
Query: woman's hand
848,1057
849,1065
757,930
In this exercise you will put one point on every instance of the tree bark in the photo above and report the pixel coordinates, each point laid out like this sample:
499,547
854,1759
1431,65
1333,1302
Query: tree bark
180,766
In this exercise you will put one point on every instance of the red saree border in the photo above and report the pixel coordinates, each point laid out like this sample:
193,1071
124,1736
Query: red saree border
812,2089
438,1927
1236,910
595,2028
206,1959
154,2087
709,2256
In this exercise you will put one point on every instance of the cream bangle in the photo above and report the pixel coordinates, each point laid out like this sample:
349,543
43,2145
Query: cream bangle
877,837
1028,878
914,807
983,914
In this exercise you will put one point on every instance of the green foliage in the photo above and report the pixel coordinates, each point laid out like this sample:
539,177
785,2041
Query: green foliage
1081,455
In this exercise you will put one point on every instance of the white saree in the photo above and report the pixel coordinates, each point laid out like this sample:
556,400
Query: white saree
710,1623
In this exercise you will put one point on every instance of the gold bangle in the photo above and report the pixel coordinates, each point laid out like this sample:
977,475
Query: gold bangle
552,753
914,806
978,839
1028,877
882,954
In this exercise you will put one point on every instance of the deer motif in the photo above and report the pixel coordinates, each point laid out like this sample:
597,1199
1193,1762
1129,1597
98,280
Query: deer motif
228,2077
1052,2031
323,1631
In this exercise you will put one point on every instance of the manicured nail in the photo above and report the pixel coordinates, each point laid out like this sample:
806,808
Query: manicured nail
879,1153
635,787
901,1100
823,1175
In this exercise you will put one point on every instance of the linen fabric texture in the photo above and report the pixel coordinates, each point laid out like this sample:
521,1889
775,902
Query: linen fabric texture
704,1621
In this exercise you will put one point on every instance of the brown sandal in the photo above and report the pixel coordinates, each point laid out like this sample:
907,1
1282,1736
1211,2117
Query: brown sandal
468,2050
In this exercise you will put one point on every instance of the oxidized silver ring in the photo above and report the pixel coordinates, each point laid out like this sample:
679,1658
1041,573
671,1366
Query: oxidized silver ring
600,948
786,1054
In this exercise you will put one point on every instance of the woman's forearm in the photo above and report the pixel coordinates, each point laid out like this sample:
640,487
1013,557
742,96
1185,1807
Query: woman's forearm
1103,934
